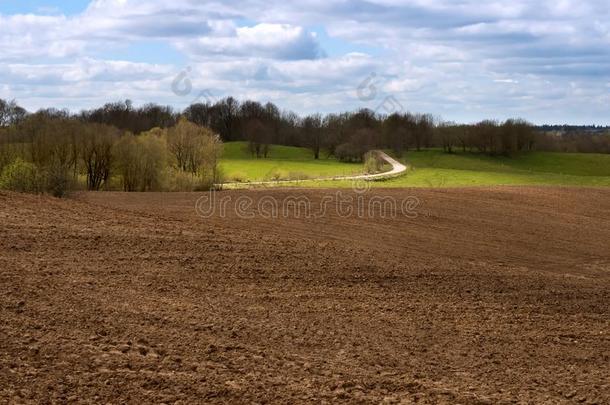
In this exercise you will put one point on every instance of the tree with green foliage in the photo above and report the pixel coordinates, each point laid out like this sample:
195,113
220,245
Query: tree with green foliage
140,161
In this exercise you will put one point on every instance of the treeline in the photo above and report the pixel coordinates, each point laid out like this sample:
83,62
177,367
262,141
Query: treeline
55,152
574,141
152,146
347,136
579,129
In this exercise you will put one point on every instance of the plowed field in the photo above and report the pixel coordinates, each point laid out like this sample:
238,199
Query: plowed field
496,295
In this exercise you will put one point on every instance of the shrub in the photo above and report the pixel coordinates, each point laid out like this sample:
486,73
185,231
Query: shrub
20,176
372,163
57,180
348,152
204,184
177,180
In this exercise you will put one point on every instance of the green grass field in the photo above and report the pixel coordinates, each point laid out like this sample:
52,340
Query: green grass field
283,162
437,169
431,168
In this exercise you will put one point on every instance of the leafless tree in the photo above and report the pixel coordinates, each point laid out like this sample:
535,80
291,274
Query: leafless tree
96,147
313,132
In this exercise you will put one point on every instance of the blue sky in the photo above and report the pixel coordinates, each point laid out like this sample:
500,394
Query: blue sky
68,7
546,61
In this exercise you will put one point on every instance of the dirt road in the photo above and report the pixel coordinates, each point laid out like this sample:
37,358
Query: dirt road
497,295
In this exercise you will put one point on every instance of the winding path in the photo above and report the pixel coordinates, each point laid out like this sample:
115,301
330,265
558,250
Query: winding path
397,170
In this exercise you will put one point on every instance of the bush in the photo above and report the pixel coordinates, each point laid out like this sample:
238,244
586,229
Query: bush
20,176
372,163
58,181
177,180
26,177
348,152
204,184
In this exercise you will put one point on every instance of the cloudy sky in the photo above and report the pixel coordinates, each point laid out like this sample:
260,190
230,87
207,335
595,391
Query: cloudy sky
464,60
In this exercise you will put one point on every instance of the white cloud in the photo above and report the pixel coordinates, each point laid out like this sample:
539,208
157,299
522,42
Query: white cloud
276,41
465,60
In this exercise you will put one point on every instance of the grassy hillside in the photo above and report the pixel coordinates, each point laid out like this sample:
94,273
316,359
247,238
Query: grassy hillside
437,169
283,162
433,168
239,150
577,164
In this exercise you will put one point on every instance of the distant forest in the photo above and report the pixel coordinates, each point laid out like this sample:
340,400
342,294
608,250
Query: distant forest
347,136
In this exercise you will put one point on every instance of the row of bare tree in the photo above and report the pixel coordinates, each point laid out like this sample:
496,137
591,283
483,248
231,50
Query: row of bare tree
489,137
574,141
348,136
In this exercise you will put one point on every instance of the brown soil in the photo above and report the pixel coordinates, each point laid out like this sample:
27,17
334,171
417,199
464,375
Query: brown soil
487,296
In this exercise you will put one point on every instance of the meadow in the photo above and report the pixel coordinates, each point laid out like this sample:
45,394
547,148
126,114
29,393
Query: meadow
427,168
282,163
